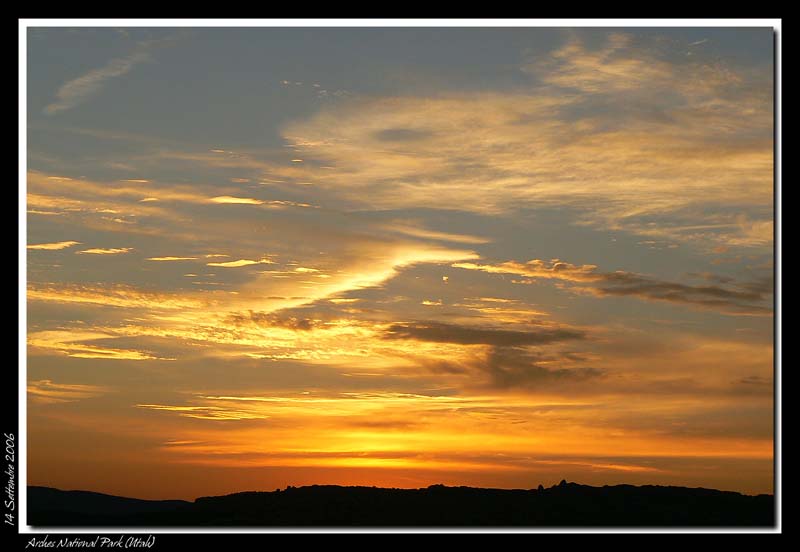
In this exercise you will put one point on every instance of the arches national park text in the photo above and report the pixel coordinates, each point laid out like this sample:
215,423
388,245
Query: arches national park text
97,542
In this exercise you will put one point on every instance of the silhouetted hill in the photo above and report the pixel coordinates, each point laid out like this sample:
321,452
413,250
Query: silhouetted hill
563,505
68,508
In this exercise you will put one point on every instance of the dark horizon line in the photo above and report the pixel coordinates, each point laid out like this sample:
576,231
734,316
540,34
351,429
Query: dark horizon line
428,487
562,505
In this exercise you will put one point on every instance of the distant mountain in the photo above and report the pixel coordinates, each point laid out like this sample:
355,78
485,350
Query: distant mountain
563,505
87,503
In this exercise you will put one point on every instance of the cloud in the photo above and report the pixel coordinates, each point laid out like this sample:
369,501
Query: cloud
610,69
451,333
204,412
555,269
53,246
753,232
714,297
757,381
508,359
353,261
512,367
416,230
616,136
47,391
401,134
112,251
169,259
726,297
236,200
86,195
113,296
84,344
350,405
76,91
272,320
240,262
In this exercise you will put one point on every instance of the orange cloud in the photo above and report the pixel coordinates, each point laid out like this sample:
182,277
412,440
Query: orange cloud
53,246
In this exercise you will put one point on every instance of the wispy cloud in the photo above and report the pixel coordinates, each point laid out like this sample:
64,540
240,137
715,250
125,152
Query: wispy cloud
48,191
76,91
734,299
47,391
112,296
464,335
53,246
205,412
111,251
598,136
415,229
240,262
84,344
236,200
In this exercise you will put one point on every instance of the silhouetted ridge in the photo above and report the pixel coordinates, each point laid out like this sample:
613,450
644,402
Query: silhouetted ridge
565,504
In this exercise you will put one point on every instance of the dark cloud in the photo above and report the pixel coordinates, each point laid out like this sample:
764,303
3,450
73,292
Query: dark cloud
384,425
509,363
465,335
273,320
756,380
711,277
741,299
513,367
754,386
401,135
750,420
436,366
720,293
763,286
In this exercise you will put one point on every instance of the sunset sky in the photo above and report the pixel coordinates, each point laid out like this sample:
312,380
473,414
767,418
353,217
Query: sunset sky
261,257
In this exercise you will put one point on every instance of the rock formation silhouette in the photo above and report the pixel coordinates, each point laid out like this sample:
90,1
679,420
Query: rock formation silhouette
563,505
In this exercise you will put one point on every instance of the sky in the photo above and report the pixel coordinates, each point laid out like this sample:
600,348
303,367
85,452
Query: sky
261,257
